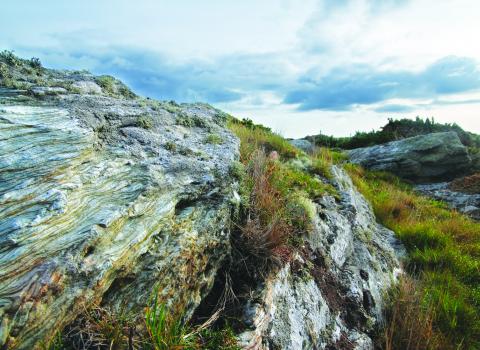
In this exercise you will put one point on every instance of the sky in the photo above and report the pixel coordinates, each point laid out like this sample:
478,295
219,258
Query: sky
300,67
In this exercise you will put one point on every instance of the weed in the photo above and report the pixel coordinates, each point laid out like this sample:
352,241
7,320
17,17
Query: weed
171,146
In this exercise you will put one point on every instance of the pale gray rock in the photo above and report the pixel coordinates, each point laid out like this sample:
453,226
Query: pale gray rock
332,295
303,144
424,158
101,198
87,87
468,204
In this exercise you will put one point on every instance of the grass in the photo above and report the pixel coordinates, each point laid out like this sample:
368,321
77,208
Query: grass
443,248
278,187
167,331
107,83
214,139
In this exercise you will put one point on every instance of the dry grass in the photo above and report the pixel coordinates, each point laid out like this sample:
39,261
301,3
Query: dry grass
469,184
410,321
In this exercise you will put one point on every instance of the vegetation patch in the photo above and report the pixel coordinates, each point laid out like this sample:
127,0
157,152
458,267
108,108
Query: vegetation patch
444,251
214,139
395,130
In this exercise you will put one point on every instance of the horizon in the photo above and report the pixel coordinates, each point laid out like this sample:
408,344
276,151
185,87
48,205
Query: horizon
300,69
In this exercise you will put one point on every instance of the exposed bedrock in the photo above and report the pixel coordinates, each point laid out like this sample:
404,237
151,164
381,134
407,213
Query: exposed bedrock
99,199
425,158
332,295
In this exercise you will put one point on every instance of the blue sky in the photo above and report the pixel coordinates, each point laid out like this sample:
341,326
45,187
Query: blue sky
298,66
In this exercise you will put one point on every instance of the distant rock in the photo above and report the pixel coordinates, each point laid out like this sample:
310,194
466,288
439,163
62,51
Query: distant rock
87,87
421,159
302,144
466,203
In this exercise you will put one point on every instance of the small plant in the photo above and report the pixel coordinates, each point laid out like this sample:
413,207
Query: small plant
218,339
191,121
166,331
214,139
170,146
145,122
107,83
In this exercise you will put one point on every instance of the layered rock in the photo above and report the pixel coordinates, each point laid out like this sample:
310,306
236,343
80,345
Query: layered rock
332,295
101,198
425,158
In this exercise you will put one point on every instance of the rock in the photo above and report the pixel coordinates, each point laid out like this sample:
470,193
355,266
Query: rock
331,295
43,91
94,207
425,158
303,144
87,87
466,203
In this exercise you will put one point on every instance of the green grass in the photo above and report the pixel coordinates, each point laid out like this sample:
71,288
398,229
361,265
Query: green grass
107,83
214,139
443,248
166,330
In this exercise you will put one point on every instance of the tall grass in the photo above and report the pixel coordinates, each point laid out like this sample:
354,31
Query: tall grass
443,247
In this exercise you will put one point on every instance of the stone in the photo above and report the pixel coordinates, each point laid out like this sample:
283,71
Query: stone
94,209
87,87
421,159
332,295
303,144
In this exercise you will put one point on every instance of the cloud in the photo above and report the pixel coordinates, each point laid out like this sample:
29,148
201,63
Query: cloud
345,87
394,108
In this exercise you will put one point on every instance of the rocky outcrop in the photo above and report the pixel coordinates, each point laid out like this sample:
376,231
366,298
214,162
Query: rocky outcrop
467,203
425,158
331,295
105,196
101,198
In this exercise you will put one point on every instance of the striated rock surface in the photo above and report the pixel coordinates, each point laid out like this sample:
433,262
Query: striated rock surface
331,295
100,198
425,158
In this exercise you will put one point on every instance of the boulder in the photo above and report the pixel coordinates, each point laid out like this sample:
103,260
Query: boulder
101,199
303,144
425,158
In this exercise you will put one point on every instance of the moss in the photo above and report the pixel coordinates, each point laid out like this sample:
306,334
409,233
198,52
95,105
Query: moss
237,170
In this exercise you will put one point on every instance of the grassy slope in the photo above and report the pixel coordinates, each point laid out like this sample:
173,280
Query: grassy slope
443,247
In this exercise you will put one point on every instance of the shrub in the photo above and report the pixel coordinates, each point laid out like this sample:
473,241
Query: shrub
35,63
145,122
9,58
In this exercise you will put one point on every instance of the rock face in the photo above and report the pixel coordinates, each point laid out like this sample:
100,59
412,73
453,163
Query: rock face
102,197
331,295
425,158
